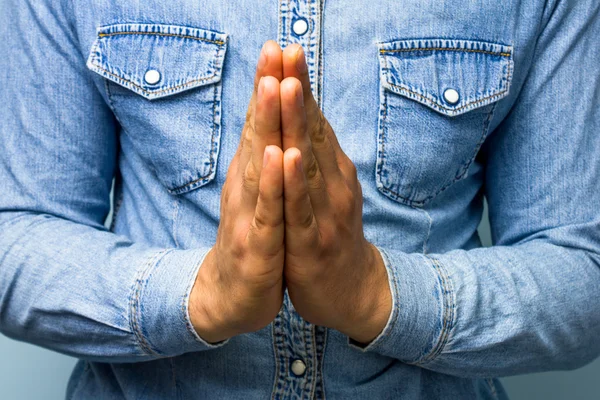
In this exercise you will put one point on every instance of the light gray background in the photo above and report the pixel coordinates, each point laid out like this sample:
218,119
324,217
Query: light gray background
28,372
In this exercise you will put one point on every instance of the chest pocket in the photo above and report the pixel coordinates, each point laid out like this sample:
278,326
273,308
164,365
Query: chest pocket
164,84
437,100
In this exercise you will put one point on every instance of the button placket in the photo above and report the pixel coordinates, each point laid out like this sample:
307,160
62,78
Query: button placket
298,344
300,22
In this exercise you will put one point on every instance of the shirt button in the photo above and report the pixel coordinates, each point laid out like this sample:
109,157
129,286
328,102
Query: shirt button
152,76
298,367
451,96
300,26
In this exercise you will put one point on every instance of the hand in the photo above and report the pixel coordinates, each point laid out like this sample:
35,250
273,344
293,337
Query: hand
239,287
334,276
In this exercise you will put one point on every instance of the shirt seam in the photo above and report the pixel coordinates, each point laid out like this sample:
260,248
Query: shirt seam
135,304
219,42
448,313
168,89
493,53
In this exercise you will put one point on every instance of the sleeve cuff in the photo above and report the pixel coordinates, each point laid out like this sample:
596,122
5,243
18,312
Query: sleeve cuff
422,309
159,305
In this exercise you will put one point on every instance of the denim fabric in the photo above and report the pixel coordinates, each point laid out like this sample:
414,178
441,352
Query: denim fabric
438,103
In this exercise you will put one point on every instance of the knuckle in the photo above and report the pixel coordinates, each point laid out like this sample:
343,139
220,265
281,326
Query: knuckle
327,240
249,113
303,222
312,169
262,221
269,193
346,204
348,169
237,250
307,221
318,129
248,134
250,177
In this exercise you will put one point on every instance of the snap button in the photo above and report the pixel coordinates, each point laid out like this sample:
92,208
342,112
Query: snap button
300,26
298,367
451,96
152,76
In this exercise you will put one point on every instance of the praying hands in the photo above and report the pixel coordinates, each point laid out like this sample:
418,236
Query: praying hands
291,217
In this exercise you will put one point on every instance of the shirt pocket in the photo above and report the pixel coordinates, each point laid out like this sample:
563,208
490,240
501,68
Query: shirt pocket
164,85
437,100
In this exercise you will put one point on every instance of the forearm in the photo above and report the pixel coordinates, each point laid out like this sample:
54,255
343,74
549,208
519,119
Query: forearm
91,294
496,311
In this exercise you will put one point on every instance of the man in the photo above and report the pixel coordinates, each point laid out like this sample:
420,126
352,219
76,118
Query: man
326,246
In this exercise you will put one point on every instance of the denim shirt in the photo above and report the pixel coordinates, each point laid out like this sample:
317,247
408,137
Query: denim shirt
439,104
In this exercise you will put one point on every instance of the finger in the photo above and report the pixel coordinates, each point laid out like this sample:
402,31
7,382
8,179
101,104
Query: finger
295,135
301,229
325,144
269,64
267,229
267,131
267,120
294,66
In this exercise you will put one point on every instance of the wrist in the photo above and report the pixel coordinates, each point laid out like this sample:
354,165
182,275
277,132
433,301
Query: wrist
204,303
375,302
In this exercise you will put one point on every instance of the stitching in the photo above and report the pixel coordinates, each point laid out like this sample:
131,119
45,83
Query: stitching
320,44
276,356
309,359
322,381
179,188
435,105
463,172
213,146
279,23
159,91
493,53
219,42
464,169
449,314
314,362
135,299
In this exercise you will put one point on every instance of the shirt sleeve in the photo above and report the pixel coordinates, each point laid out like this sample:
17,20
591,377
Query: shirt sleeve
532,301
66,283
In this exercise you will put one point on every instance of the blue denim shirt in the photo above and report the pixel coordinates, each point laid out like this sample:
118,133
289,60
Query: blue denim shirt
438,104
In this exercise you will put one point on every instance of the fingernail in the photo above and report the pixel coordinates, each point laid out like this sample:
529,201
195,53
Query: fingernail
301,61
260,89
266,157
262,60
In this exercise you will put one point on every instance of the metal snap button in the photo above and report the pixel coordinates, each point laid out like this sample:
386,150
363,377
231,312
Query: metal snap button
451,96
298,367
152,76
300,26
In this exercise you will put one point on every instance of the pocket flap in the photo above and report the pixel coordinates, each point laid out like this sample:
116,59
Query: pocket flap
449,76
158,60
